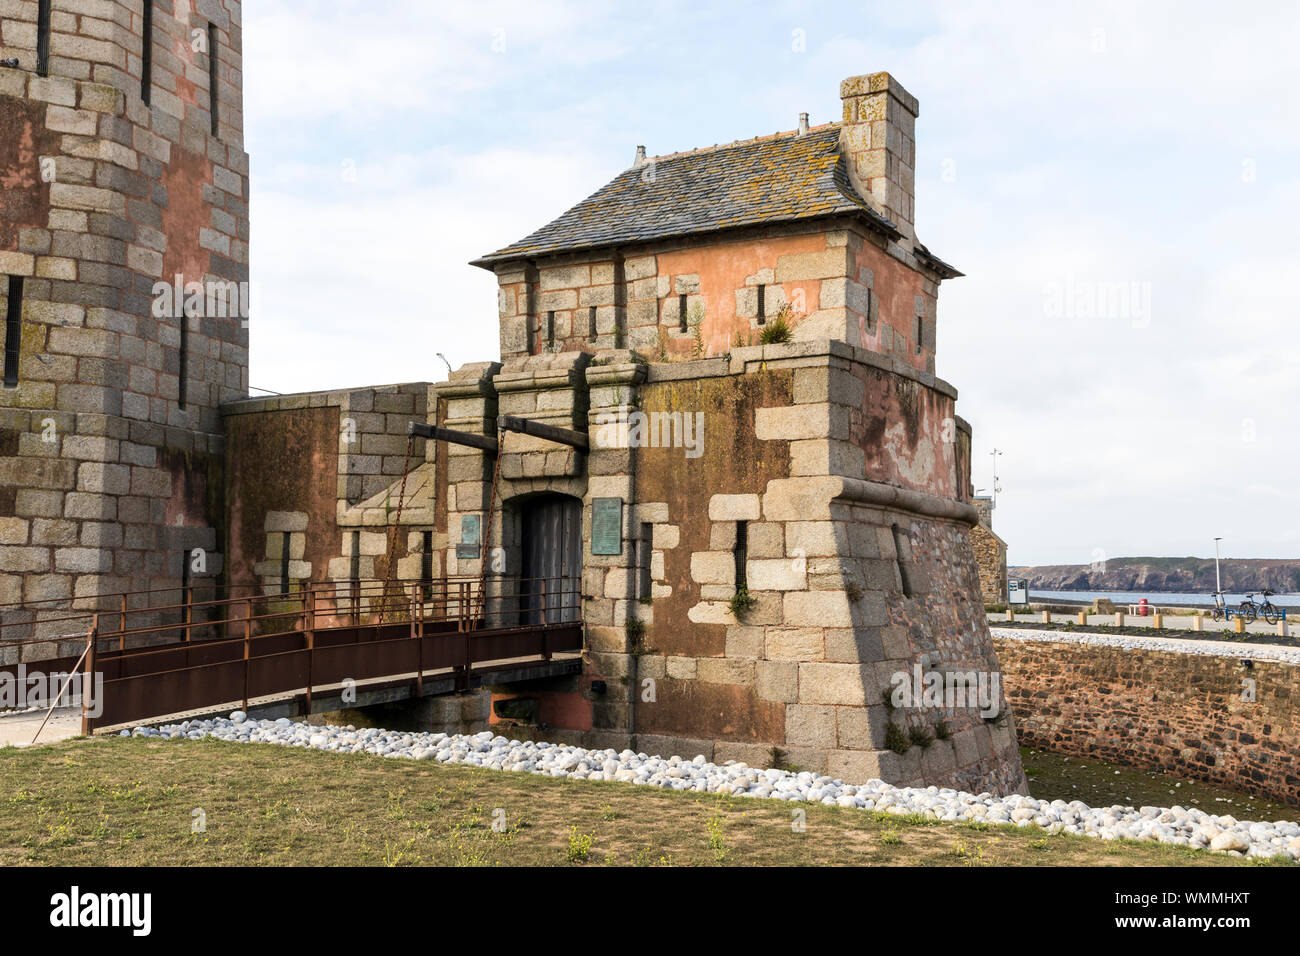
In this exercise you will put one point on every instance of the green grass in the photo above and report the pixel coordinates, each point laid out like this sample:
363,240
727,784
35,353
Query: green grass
131,802
1100,784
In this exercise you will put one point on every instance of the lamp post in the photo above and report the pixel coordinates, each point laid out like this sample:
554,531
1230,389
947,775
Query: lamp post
995,452
1218,581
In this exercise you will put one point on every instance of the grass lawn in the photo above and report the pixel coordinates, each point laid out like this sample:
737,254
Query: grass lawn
132,802
1100,784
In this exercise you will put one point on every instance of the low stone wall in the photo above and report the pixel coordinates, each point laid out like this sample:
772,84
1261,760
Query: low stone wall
319,472
1220,712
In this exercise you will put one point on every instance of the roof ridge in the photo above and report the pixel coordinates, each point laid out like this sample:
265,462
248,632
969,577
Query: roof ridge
718,147
782,177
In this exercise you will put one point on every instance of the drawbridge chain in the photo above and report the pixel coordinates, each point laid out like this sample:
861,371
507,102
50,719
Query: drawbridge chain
395,530
391,571
487,531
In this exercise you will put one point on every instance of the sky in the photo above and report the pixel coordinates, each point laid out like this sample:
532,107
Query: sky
1118,182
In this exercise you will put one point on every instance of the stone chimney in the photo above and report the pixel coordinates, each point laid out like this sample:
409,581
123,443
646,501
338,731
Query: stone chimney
878,141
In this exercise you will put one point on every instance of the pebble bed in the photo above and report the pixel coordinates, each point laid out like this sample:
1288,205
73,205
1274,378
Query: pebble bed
1204,648
1175,825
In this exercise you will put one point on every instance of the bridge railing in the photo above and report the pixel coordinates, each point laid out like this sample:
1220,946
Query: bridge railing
142,662
52,628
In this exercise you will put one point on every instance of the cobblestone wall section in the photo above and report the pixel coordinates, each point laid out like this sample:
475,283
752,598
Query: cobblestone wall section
1226,716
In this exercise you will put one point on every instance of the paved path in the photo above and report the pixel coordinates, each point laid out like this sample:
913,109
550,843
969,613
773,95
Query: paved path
1170,622
18,729
1174,643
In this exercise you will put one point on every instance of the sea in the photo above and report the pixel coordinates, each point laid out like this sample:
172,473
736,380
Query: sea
1172,599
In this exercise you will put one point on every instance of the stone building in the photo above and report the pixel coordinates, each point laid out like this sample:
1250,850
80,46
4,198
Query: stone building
121,155
990,554
746,334
769,524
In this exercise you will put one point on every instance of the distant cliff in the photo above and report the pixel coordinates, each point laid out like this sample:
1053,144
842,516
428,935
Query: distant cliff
1165,574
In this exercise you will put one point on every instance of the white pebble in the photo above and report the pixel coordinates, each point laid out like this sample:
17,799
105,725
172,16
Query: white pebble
1175,825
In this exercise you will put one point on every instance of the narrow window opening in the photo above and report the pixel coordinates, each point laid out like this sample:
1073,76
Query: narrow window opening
591,322
43,38
426,564
183,371
871,311
681,313
214,101
620,302
902,551
284,562
644,589
550,328
13,331
741,552
146,54
920,331
532,326
762,305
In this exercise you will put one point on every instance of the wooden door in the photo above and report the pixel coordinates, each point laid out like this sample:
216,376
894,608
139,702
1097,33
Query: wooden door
552,555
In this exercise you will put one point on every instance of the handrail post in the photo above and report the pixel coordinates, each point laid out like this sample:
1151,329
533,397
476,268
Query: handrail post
92,638
542,583
469,653
417,627
248,636
309,630
189,610
121,631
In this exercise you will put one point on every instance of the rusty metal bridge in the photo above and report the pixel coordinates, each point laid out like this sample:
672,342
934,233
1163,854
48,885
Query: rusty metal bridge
305,649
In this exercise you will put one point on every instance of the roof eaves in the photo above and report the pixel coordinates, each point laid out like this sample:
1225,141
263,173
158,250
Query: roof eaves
937,264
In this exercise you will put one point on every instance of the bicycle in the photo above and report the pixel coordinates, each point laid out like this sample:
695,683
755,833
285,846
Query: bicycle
1250,610
1220,608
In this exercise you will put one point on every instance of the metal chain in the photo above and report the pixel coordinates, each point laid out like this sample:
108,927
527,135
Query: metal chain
397,520
394,531
487,532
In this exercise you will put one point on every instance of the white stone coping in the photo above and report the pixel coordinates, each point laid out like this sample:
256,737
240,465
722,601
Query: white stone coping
322,399
905,499
1257,652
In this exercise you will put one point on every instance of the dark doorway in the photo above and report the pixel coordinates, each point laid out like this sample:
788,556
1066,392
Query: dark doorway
551,527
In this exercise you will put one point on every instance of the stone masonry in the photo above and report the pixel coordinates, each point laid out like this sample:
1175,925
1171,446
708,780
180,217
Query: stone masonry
745,334
990,554
794,515
111,452
1224,714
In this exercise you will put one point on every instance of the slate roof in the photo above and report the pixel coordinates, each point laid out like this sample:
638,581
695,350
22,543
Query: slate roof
775,179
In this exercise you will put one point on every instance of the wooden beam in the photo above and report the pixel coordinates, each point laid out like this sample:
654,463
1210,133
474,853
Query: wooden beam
526,426
421,430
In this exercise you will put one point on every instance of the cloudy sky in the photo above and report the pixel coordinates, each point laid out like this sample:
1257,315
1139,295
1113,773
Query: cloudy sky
1119,182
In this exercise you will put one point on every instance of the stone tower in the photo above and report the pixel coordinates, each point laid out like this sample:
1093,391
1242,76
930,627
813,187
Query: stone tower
747,334
123,283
